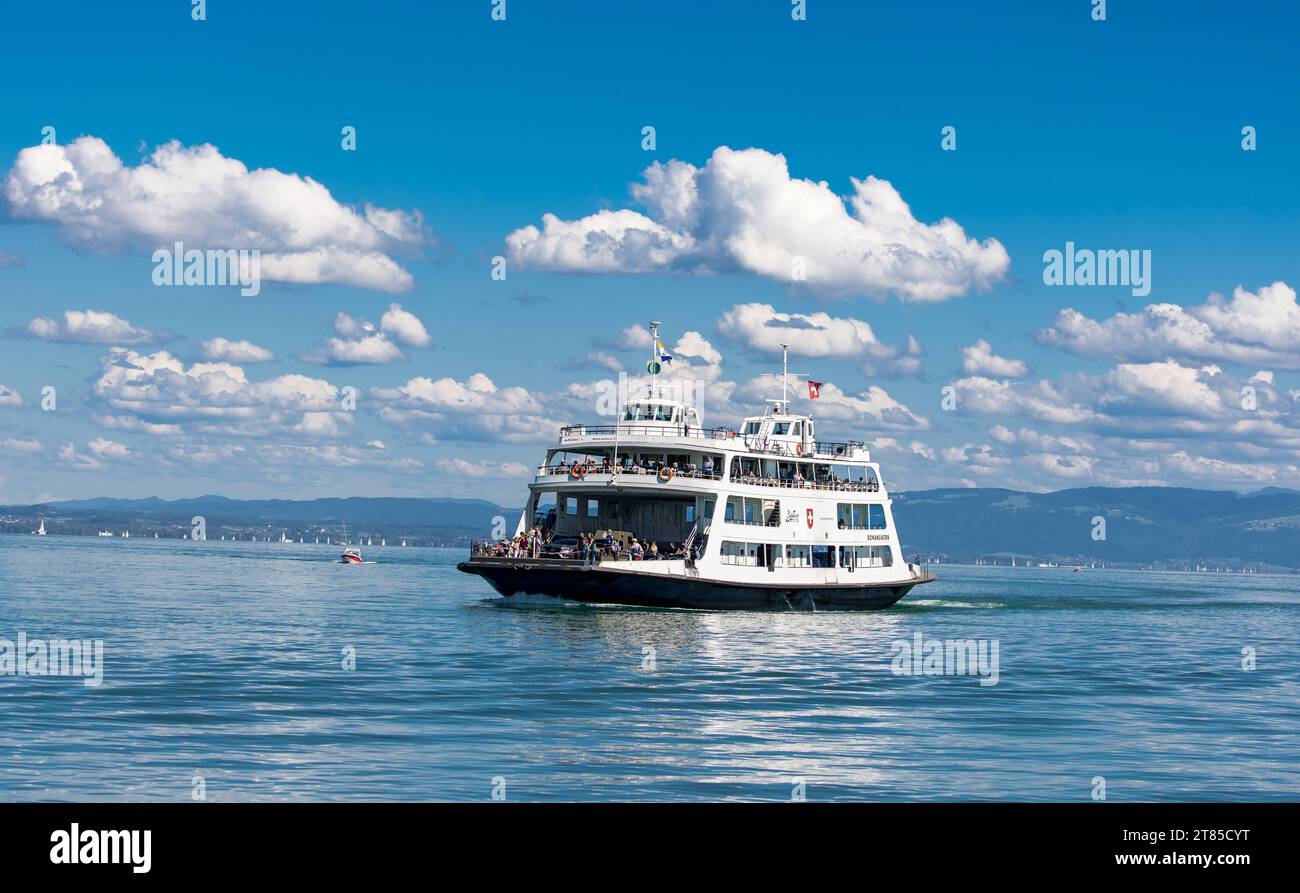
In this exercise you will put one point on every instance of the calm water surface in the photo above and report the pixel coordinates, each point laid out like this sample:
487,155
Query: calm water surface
224,660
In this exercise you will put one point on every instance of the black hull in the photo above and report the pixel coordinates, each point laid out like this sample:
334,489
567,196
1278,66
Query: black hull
576,581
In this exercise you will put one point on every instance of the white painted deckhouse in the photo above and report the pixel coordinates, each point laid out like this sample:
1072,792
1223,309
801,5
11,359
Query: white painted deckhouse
656,509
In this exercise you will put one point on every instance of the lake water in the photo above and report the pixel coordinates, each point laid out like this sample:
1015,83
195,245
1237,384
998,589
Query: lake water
225,661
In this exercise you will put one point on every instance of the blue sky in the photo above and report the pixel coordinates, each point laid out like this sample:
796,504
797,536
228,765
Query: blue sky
1117,134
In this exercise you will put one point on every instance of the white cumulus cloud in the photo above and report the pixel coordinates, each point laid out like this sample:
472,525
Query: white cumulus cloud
743,212
225,350
979,359
762,328
196,195
1254,327
89,327
361,342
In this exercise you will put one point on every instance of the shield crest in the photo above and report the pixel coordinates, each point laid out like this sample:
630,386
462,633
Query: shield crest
810,519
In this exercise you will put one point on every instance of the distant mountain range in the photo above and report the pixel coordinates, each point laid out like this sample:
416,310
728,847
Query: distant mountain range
1165,526
422,521
1143,525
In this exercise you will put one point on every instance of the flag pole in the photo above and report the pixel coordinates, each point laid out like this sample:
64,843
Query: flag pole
654,358
785,368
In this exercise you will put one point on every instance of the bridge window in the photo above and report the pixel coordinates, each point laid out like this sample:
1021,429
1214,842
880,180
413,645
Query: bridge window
690,513
593,508
780,427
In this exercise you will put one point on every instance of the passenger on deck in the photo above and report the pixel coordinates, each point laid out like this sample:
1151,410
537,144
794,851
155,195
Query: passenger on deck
708,465
635,550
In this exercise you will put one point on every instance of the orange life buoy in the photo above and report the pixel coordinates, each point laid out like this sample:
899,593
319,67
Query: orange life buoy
577,471
665,474
798,448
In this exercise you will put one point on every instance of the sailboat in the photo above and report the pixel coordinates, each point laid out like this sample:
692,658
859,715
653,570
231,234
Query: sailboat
40,531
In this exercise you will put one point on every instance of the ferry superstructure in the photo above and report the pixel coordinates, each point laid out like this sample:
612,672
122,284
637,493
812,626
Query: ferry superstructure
764,517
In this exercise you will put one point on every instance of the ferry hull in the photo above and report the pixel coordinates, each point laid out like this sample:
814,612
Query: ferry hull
576,581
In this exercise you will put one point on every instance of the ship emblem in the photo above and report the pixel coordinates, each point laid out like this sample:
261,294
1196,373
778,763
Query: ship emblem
810,519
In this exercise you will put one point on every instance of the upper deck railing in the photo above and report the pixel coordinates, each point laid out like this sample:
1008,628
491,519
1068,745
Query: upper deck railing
605,469
821,449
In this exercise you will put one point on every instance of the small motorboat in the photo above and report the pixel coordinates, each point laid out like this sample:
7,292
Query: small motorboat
351,555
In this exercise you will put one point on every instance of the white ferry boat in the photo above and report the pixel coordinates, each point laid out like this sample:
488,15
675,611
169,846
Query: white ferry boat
657,510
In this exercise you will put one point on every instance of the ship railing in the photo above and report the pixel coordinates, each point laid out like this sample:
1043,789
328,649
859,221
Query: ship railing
590,468
505,549
837,448
821,449
788,484
571,433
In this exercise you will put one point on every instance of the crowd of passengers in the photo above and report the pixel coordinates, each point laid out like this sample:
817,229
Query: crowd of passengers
796,479
590,548
708,470
644,465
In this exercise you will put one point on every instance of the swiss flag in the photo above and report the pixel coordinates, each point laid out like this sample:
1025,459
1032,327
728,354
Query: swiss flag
814,389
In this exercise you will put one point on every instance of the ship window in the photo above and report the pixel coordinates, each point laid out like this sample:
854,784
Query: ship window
570,505
798,556
857,516
743,554
798,429
612,506
823,556
593,508
781,428
751,427
741,510
708,509
690,513
866,556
